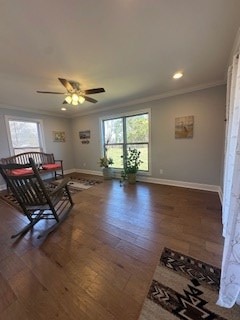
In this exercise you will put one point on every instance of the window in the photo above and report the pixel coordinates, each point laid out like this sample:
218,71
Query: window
128,131
24,135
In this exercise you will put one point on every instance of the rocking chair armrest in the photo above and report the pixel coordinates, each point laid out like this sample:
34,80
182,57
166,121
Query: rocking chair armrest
61,185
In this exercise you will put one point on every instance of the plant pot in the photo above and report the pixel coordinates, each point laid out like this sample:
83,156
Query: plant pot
131,178
107,173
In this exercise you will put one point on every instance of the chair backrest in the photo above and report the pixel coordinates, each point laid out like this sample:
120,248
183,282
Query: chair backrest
25,183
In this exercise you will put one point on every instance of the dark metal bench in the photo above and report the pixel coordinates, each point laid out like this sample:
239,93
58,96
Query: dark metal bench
45,162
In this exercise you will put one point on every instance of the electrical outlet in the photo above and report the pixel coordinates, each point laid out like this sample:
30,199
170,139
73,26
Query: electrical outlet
84,164
161,171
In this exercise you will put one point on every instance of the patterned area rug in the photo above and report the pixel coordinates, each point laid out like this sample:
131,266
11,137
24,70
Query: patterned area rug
185,288
75,185
79,184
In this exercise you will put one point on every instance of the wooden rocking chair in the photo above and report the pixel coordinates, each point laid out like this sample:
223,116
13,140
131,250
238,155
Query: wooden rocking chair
37,199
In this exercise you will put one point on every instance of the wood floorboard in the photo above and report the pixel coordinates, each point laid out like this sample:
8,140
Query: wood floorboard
99,262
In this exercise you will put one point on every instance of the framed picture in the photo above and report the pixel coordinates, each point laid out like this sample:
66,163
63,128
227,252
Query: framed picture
84,134
184,127
59,136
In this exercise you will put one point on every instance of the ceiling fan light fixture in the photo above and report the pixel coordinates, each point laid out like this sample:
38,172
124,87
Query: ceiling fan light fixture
81,99
68,99
74,98
74,103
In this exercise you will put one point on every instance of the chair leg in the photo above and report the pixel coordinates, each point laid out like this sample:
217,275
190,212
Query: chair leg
61,174
69,195
29,225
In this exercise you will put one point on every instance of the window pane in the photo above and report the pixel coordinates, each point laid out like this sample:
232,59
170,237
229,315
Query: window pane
137,128
143,148
113,131
115,152
127,131
24,134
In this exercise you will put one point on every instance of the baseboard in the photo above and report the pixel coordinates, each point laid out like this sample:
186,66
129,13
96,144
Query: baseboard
183,184
3,187
69,171
95,173
174,183
220,194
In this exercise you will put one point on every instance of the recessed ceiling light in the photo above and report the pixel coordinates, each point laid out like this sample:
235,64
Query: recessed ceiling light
63,109
177,75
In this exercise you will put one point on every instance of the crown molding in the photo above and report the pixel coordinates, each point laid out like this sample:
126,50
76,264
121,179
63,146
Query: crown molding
155,97
43,112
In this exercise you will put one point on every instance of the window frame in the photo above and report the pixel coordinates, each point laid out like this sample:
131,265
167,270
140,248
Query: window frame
125,115
39,123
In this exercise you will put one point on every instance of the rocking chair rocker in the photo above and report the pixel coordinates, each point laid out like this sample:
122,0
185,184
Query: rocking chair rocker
37,199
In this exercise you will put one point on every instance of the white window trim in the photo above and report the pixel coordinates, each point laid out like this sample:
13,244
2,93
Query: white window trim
126,114
15,118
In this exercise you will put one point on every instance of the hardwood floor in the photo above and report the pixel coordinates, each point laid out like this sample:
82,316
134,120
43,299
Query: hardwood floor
99,263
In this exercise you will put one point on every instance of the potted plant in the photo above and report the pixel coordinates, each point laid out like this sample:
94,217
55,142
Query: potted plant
104,163
131,163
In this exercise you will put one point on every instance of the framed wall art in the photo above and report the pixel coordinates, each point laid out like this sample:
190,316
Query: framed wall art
59,136
184,127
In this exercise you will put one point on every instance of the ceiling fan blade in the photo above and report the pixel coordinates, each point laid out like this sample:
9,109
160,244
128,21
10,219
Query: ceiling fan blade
66,84
90,99
50,92
93,91
74,84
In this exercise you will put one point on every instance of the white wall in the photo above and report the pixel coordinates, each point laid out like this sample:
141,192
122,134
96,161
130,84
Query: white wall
196,160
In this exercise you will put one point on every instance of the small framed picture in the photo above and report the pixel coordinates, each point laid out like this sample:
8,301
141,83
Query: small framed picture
59,136
84,134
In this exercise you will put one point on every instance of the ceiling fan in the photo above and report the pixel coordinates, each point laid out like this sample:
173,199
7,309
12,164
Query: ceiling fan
74,94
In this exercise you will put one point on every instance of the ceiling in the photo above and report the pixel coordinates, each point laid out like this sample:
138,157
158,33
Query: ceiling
129,47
